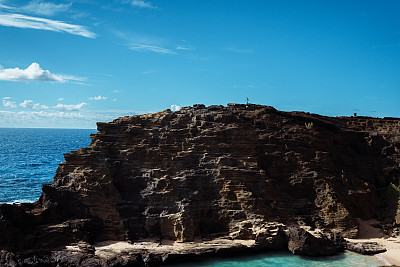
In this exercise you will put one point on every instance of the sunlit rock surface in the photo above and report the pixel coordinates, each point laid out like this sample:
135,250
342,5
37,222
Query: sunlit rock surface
241,172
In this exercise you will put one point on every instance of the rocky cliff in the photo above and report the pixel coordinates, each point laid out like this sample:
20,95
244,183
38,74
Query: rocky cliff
241,172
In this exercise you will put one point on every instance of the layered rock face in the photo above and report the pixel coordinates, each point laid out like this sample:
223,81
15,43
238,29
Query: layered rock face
238,171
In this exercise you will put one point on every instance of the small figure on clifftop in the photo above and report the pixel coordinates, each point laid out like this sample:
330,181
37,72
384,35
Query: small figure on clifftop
247,101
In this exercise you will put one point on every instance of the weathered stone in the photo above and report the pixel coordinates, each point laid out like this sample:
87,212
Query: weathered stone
240,172
366,248
302,242
273,237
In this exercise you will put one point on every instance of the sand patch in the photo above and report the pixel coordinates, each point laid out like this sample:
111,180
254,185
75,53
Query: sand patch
368,233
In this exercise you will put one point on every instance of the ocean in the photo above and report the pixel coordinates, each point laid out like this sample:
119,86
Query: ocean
29,158
286,259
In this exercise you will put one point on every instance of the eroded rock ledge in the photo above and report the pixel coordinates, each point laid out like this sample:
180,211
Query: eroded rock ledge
213,180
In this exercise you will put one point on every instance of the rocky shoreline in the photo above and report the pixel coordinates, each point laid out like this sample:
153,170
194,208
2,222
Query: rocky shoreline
154,253
171,186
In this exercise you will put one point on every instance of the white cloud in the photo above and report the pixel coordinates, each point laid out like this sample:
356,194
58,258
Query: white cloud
99,97
33,73
43,8
115,100
70,107
142,4
27,104
60,99
31,104
6,97
150,48
39,106
28,22
181,47
175,107
9,104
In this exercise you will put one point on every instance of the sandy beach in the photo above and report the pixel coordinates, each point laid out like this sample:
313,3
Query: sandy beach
368,233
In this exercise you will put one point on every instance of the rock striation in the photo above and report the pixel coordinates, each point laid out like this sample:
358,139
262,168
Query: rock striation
282,180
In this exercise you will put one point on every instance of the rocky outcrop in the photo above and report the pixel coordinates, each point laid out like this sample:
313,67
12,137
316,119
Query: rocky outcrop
315,243
366,248
243,172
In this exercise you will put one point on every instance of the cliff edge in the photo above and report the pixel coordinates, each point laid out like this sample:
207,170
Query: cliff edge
216,179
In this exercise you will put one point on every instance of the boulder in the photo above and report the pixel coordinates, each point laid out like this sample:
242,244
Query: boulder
302,242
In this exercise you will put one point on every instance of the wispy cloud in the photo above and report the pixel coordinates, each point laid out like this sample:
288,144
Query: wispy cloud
182,47
31,104
45,8
6,7
150,48
142,4
97,98
34,73
6,97
9,104
28,22
61,99
70,107
144,43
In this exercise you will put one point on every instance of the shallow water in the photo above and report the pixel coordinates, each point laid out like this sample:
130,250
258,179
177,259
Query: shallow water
287,259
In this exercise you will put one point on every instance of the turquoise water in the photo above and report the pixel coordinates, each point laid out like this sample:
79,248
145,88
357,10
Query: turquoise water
286,259
29,157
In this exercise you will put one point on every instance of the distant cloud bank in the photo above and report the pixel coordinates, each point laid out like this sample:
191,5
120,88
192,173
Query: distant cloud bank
31,104
70,107
9,104
97,98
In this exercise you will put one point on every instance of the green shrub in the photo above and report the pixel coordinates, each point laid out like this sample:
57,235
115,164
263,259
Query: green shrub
393,192
395,187
309,125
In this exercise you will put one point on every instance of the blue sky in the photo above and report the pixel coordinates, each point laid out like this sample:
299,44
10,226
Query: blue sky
68,64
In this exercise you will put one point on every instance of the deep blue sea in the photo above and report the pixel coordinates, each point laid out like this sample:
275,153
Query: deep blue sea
29,157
